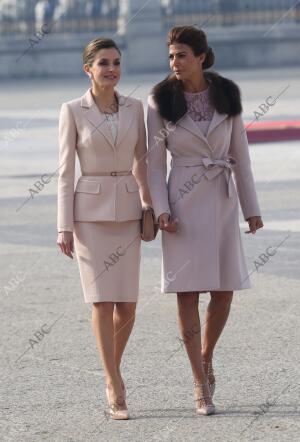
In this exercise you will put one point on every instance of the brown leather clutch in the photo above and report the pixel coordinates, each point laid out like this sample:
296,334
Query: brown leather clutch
149,227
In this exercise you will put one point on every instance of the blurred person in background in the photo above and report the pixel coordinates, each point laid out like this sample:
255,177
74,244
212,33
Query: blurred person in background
17,15
9,10
44,12
94,8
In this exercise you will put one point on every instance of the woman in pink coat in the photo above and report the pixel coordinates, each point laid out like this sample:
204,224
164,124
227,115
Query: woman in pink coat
196,116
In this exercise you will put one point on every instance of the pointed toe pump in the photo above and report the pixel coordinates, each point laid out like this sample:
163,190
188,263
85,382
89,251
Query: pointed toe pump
116,411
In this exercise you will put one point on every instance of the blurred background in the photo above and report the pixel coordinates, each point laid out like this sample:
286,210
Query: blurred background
244,33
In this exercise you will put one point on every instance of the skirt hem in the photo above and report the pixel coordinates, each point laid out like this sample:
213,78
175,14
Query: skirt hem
206,291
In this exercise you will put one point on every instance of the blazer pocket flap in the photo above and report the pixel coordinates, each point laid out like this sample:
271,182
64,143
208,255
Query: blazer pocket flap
85,186
132,186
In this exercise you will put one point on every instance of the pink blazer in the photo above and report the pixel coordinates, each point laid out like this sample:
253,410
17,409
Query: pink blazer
83,129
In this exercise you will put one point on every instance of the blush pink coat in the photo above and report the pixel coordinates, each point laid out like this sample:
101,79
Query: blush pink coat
207,253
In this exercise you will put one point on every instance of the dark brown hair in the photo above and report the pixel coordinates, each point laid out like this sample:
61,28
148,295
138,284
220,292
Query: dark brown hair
91,49
196,39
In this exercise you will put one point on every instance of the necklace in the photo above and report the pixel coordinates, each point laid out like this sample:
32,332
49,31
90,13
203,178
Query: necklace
113,107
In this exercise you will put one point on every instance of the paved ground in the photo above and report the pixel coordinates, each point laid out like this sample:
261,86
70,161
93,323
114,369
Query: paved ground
52,385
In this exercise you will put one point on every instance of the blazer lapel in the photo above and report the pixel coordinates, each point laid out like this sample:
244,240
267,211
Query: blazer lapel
125,117
96,118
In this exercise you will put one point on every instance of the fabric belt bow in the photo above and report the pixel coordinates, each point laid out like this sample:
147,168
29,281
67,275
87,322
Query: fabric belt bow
213,167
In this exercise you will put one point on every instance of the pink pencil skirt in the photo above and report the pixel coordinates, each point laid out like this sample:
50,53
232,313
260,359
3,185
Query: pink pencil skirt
108,255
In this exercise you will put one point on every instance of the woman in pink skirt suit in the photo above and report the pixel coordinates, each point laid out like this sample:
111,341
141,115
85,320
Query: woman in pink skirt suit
107,132
196,115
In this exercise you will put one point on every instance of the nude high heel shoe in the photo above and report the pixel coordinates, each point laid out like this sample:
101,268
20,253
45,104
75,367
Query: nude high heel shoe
115,412
202,407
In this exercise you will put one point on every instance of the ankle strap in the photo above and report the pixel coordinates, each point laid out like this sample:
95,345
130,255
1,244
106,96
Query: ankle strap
209,366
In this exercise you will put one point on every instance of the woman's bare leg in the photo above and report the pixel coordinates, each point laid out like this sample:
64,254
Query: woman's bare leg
189,325
216,316
103,328
124,317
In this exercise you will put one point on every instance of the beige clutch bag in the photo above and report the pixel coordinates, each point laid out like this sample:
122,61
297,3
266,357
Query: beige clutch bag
149,227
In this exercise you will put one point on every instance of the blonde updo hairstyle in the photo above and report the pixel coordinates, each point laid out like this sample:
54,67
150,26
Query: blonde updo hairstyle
196,39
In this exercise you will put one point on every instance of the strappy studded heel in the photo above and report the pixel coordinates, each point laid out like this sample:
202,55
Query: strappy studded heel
115,412
209,371
201,399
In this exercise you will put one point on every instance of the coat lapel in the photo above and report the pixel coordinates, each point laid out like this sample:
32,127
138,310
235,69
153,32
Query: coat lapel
216,120
189,124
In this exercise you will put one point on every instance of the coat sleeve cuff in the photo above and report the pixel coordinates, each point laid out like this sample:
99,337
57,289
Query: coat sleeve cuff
160,212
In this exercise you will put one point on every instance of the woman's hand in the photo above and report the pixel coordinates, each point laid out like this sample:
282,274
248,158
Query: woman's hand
66,243
255,223
165,223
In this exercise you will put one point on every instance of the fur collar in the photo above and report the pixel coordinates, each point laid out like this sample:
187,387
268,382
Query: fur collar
223,93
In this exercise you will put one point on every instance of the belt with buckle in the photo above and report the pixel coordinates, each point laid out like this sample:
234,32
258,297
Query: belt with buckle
114,173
